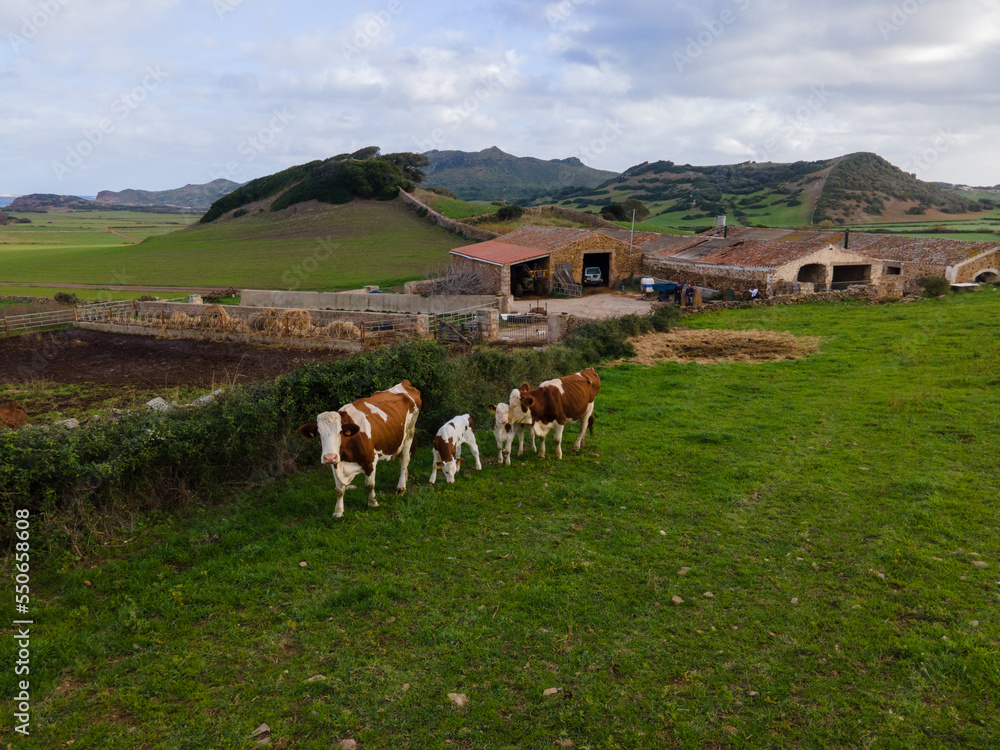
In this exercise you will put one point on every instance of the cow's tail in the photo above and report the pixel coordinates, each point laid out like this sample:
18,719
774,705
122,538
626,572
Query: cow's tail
590,425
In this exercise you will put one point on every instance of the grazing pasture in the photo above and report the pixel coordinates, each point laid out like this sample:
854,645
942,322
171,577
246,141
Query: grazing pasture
799,553
312,247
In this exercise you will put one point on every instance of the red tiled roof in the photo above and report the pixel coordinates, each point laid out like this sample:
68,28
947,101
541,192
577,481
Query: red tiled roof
499,252
770,248
545,238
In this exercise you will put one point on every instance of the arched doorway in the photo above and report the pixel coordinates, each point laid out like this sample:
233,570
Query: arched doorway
812,273
989,276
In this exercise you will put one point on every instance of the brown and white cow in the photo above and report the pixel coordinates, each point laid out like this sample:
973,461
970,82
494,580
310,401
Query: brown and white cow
555,402
13,415
510,420
448,447
358,435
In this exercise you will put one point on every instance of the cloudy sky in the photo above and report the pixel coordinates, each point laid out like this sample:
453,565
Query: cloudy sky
114,94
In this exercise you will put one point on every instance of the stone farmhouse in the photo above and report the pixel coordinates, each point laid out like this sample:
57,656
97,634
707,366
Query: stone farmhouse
787,260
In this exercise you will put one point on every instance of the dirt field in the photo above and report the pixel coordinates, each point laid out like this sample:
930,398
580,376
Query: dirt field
711,347
115,370
77,356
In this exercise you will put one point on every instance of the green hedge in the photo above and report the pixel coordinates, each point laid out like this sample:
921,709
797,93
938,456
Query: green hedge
149,459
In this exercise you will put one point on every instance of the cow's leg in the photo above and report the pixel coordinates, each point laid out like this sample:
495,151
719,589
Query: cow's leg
458,458
404,459
583,427
520,439
434,465
370,484
559,432
475,453
338,510
542,452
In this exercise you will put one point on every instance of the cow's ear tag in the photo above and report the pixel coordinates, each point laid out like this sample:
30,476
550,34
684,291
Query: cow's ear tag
458,461
309,430
440,464
493,408
349,430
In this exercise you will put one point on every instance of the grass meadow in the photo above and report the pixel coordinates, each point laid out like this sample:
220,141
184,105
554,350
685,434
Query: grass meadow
794,554
315,248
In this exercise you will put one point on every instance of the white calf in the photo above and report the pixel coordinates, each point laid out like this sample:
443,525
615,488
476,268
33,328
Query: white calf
509,420
448,447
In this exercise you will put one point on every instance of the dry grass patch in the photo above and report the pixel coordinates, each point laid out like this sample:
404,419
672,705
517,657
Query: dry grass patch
707,346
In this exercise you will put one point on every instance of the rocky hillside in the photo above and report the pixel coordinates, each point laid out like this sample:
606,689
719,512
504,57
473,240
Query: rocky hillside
847,189
190,196
492,174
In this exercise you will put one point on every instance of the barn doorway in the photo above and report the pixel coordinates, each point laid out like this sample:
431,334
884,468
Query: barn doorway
601,261
989,276
812,273
845,276
530,278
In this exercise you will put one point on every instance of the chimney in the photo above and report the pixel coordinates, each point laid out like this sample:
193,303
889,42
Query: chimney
847,237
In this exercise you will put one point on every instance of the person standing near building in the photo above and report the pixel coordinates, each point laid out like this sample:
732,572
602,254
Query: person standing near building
678,291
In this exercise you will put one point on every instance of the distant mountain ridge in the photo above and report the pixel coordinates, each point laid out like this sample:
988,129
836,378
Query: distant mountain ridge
847,189
190,196
492,174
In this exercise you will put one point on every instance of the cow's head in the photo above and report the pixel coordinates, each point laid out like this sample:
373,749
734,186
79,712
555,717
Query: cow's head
332,431
501,417
532,408
448,463
519,412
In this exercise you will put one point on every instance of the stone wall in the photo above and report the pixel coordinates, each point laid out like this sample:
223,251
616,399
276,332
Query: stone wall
355,302
741,281
457,227
418,322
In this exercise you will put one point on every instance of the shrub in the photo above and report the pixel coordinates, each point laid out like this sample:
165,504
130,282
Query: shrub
66,298
510,213
934,286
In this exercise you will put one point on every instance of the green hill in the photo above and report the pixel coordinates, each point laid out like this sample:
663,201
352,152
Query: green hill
492,174
189,196
364,174
857,188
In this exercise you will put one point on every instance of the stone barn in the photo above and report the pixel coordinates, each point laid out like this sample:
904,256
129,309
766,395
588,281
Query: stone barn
786,260
541,253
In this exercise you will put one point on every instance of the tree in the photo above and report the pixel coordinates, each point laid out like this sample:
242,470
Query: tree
410,164
613,212
634,204
510,213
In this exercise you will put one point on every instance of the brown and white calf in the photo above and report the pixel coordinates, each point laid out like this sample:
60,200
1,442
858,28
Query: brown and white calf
357,436
448,447
510,420
556,402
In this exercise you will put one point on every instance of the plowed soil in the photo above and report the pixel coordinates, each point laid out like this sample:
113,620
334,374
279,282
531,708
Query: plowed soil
706,346
77,356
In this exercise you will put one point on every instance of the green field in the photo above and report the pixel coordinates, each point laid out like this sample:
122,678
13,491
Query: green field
324,248
828,527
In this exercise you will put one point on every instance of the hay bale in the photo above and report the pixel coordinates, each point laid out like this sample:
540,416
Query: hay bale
342,329
214,318
180,320
265,322
295,322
